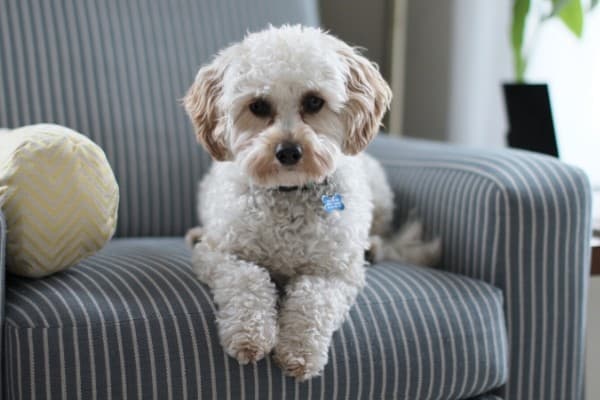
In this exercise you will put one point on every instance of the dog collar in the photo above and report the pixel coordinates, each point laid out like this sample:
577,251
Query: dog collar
308,186
331,202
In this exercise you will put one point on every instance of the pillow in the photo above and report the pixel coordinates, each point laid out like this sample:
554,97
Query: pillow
59,196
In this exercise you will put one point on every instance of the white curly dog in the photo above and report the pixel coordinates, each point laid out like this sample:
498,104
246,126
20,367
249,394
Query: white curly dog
291,202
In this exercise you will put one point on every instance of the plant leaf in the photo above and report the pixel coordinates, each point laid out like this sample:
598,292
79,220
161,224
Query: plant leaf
557,6
520,11
572,16
594,4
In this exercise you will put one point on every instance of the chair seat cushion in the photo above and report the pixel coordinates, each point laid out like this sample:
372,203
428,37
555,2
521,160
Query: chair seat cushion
132,321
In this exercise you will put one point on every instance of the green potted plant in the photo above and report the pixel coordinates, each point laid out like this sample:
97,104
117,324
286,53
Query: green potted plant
528,105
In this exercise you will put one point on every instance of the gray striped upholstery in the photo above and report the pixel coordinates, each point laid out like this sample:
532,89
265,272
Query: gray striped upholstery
114,70
522,223
2,290
133,322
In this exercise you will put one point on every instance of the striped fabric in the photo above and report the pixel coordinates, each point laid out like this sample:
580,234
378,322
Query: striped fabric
2,291
132,322
522,223
114,70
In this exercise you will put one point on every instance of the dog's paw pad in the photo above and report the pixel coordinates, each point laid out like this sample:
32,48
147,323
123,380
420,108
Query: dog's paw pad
292,366
247,353
297,367
296,370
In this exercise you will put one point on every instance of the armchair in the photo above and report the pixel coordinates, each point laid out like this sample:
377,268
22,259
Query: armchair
503,317
521,222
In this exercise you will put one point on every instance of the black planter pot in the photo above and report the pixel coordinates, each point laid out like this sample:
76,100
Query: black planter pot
530,118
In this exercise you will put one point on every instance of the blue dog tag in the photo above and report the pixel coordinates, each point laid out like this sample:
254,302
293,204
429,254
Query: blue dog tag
332,203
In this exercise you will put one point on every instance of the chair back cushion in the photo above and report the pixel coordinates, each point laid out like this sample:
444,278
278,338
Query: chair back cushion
115,71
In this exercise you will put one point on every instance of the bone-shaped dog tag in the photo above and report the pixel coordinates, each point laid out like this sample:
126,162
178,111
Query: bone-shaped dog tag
332,203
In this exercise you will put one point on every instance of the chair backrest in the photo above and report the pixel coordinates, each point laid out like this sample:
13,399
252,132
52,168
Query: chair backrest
115,70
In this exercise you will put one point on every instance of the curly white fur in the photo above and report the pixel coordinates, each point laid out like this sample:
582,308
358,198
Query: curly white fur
256,236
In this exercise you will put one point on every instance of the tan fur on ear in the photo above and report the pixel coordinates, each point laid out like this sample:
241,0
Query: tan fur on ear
201,104
369,96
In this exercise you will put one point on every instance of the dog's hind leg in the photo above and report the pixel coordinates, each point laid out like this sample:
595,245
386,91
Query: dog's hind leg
408,246
193,236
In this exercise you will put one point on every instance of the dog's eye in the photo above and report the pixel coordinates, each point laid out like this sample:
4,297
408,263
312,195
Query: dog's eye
312,104
260,108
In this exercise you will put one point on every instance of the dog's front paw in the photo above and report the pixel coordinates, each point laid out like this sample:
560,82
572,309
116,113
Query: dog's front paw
299,362
248,325
248,351
249,343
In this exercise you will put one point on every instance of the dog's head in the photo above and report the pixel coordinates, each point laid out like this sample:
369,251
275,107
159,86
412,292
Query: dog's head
285,103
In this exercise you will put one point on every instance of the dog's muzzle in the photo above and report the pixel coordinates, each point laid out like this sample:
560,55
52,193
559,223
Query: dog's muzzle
288,153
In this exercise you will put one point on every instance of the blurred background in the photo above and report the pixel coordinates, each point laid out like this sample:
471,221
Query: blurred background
447,61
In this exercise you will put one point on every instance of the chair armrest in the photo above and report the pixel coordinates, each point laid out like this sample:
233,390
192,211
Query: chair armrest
521,222
2,287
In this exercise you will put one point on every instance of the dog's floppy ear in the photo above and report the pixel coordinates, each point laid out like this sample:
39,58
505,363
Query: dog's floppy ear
202,105
369,97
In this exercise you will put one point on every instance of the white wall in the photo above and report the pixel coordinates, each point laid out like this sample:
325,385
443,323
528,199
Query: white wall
571,67
457,56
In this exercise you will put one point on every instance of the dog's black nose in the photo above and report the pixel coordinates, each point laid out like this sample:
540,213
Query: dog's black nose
288,153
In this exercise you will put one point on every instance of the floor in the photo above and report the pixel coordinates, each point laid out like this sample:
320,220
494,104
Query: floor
593,341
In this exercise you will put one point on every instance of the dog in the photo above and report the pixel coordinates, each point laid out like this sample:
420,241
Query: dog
291,203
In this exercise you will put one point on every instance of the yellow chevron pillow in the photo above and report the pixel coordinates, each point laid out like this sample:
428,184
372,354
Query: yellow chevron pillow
59,196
